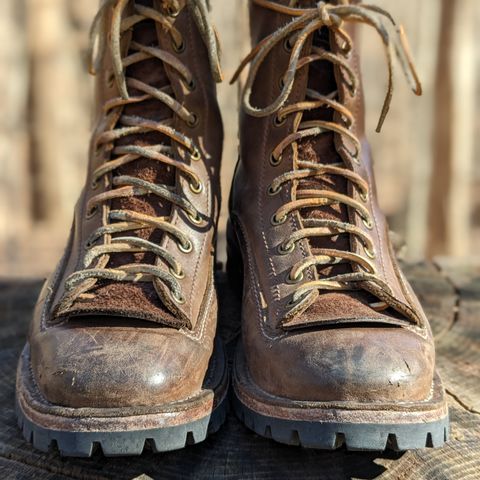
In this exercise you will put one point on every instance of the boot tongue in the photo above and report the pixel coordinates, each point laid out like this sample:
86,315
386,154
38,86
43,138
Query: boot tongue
150,72
330,306
128,299
321,150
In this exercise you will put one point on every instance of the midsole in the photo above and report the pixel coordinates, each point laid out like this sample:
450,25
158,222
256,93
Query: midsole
250,395
54,417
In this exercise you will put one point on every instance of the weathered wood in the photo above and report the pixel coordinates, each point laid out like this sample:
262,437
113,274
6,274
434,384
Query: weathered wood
459,349
14,140
451,295
231,19
464,75
60,96
403,150
440,184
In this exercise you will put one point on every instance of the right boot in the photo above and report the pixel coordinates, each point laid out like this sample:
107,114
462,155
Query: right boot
121,352
335,347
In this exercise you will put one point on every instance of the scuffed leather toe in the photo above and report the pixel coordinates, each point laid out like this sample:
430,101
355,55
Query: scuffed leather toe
379,364
117,366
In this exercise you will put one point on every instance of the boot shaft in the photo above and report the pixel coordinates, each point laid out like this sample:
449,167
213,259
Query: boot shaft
153,190
306,167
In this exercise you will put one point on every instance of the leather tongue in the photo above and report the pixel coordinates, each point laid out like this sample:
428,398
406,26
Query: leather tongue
321,149
329,306
138,300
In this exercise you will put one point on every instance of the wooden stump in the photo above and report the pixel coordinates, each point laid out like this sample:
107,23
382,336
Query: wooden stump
451,296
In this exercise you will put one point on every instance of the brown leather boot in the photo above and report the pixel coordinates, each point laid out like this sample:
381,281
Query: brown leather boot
335,346
122,347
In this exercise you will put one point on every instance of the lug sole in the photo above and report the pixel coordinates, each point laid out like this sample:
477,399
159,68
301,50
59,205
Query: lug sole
329,425
120,432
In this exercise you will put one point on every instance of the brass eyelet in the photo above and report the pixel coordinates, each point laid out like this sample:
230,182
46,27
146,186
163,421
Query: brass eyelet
194,121
286,248
296,279
191,86
187,248
110,80
346,50
370,252
92,212
348,123
94,184
278,221
273,191
196,220
368,222
178,299
364,196
179,275
196,188
178,48
196,155
274,161
287,46
172,12
279,122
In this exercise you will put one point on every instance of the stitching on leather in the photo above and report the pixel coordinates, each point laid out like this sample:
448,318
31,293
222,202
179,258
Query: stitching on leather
55,279
276,289
206,312
379,236
206,103
405,289
255,283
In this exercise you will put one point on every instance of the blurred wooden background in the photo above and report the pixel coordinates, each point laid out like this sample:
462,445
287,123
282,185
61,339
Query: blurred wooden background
426,166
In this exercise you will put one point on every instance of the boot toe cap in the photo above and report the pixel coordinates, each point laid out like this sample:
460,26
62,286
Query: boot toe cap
348,364
91,367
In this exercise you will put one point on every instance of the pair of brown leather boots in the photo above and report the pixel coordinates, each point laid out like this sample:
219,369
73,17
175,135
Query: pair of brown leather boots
335,348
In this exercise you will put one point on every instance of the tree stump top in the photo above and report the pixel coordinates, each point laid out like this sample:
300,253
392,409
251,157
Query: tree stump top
450,293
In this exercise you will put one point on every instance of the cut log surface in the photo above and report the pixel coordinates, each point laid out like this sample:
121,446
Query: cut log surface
451,295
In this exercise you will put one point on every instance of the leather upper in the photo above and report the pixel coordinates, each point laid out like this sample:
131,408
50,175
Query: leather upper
128,343
331,347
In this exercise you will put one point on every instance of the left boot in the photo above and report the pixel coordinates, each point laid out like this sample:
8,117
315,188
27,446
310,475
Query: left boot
122,349
335,346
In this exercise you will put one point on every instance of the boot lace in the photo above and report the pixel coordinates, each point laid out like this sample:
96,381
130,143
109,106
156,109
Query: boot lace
124,221
305,22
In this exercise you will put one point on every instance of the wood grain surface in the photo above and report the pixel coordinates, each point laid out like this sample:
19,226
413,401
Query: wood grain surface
450,293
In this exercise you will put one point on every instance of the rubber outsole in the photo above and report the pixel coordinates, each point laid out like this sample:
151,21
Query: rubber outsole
331,425
355,437
112,444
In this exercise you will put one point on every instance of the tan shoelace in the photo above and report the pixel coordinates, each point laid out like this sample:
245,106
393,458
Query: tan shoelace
123,221
306,21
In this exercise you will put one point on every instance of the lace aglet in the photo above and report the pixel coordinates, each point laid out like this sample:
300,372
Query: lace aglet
381,121
239,70
415,80
236,76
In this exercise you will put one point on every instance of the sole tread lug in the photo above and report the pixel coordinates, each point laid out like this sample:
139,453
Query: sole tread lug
355,437
114,444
